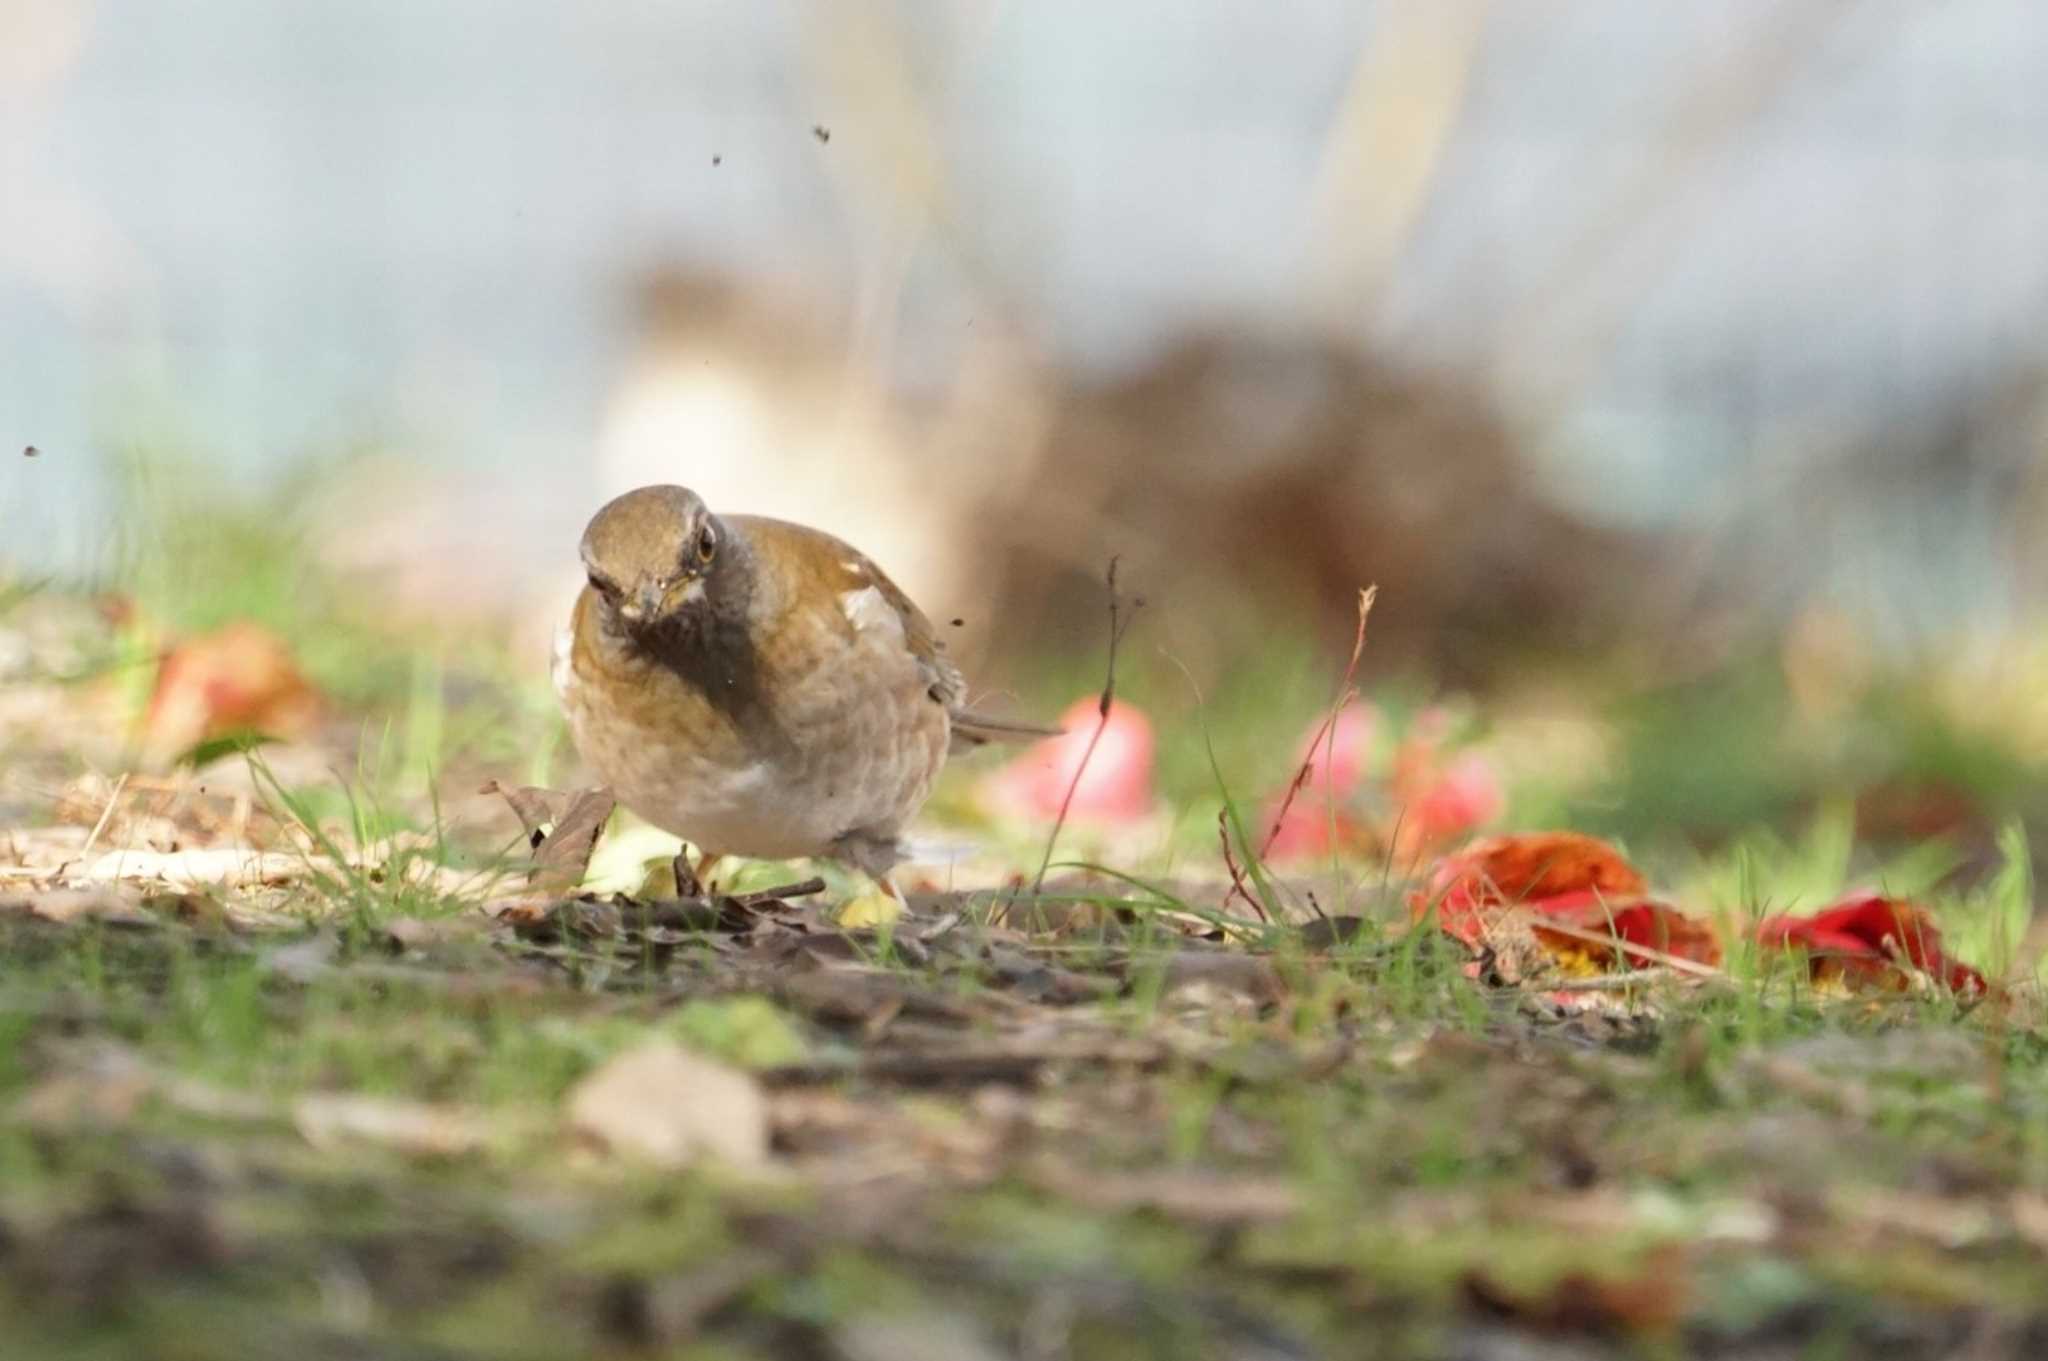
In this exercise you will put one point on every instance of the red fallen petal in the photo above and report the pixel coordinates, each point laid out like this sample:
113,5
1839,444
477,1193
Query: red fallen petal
1337,760
1860,937
1415,756
1466,795
1115,785
1576,880
239,678
1515,869
1304,831
1650,924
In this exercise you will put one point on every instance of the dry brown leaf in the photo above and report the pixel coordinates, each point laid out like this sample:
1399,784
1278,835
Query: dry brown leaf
562,826
664,1105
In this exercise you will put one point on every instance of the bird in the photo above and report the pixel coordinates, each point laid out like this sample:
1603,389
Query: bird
758,688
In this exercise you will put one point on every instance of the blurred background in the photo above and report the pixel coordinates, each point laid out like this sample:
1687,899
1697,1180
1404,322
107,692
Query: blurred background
1680,360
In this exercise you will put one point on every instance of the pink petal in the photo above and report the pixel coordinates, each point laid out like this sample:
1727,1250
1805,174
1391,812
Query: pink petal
1337,760
1115,785
1466,795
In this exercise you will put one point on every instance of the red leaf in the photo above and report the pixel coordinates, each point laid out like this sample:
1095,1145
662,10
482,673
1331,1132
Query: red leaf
1871,940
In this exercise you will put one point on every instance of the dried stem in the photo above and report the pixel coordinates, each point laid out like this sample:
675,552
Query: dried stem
1237,888
1326,735
1119,620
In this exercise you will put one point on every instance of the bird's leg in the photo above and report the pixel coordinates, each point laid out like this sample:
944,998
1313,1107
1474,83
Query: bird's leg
695,883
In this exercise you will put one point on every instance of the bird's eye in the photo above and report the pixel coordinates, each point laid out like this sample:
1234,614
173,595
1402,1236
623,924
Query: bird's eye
707,544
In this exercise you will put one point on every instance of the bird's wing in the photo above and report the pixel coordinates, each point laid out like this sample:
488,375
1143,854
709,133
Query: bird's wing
864,593
864,590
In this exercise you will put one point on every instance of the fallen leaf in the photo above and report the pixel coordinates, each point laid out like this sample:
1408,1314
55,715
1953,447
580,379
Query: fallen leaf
330,1121
664,1105
226,866
560,861
241,678
537,809
563,828
1870,941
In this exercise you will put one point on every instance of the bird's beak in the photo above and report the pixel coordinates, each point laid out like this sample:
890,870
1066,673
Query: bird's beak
684,593
642,605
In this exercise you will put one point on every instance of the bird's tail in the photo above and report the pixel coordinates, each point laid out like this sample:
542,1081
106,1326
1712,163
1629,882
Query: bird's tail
971,730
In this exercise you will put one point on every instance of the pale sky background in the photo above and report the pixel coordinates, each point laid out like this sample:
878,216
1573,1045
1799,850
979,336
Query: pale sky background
275,229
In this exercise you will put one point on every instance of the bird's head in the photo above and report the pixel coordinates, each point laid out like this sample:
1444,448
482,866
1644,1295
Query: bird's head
650,555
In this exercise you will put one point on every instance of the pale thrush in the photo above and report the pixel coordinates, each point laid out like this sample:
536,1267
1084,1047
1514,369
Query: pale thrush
755,687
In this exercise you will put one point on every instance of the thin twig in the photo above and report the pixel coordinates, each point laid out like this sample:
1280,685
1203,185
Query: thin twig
801,889
1118,622
1326,735
106,815
1237,888
1670,961
1615,982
